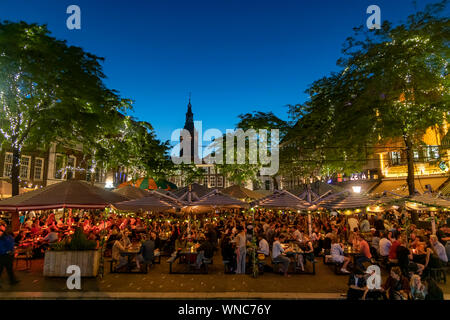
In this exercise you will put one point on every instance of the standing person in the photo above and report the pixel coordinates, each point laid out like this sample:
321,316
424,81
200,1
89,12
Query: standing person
7,253
241,250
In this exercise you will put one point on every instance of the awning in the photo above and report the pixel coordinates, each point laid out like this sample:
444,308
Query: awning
400,186
194,187
282,199
153,202
429,200
132,193
344,200
240,192
67,194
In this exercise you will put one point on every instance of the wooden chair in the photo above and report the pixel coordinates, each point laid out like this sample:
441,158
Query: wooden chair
25,254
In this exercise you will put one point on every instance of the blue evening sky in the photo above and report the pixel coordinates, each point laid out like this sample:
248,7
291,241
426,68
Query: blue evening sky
235,56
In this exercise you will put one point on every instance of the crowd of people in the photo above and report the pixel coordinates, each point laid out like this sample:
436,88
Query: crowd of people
408,253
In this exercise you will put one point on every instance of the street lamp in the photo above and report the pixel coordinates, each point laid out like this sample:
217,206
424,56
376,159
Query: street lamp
356,189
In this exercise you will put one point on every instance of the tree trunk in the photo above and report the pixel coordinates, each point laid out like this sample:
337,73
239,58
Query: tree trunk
410,162
275,182
15,171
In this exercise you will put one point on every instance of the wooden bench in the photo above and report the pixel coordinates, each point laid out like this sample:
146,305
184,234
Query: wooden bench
172,260
439,274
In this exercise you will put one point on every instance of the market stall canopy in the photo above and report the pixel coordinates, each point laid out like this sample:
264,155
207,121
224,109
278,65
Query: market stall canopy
429,200
215,200
198,189
240,192
344,200
400,186
66,194
149,184
282,199
132,193
319,188
153,202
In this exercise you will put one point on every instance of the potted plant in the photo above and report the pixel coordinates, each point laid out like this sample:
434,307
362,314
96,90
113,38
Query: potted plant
78,251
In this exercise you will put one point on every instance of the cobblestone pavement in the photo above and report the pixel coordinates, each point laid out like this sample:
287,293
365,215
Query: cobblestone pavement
158,280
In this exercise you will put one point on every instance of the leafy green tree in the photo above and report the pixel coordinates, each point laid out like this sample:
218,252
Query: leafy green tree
394,83
49,91
241,173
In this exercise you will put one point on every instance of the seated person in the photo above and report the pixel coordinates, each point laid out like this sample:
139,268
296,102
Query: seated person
119,245
364,252
263,245
147,251
405,259
357,285
418,289
205,251
337,255
180,243
385,246
439,250
277,253
396,285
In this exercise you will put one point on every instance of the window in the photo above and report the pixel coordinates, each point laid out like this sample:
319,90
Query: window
25,163
433,153
8,164
59,166
212,181
267,182
38,168
98,175
220,181
205,181
416,155
71,163
395,158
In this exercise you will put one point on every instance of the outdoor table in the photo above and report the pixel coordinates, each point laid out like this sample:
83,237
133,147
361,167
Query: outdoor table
131,253
352,252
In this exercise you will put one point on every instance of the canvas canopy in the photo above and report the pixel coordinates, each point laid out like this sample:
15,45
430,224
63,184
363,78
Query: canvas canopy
66,194
282,199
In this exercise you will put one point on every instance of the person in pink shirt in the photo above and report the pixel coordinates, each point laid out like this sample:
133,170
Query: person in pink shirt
364,252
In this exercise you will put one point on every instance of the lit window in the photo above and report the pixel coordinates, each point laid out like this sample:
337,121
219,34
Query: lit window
38,168
8,165
59,166
71,163
220,181
395,157
25,163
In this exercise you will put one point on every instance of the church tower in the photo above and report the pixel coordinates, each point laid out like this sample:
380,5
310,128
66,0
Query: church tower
189,126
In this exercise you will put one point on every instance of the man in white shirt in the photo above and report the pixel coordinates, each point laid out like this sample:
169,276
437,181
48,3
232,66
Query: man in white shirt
263,246
353,223
277,254
385,245
297,235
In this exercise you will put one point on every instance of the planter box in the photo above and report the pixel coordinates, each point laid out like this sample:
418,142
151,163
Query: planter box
56,262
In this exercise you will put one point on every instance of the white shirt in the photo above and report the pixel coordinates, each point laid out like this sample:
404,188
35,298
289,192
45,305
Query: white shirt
385,246
297,235
352,223
264,247
277,249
